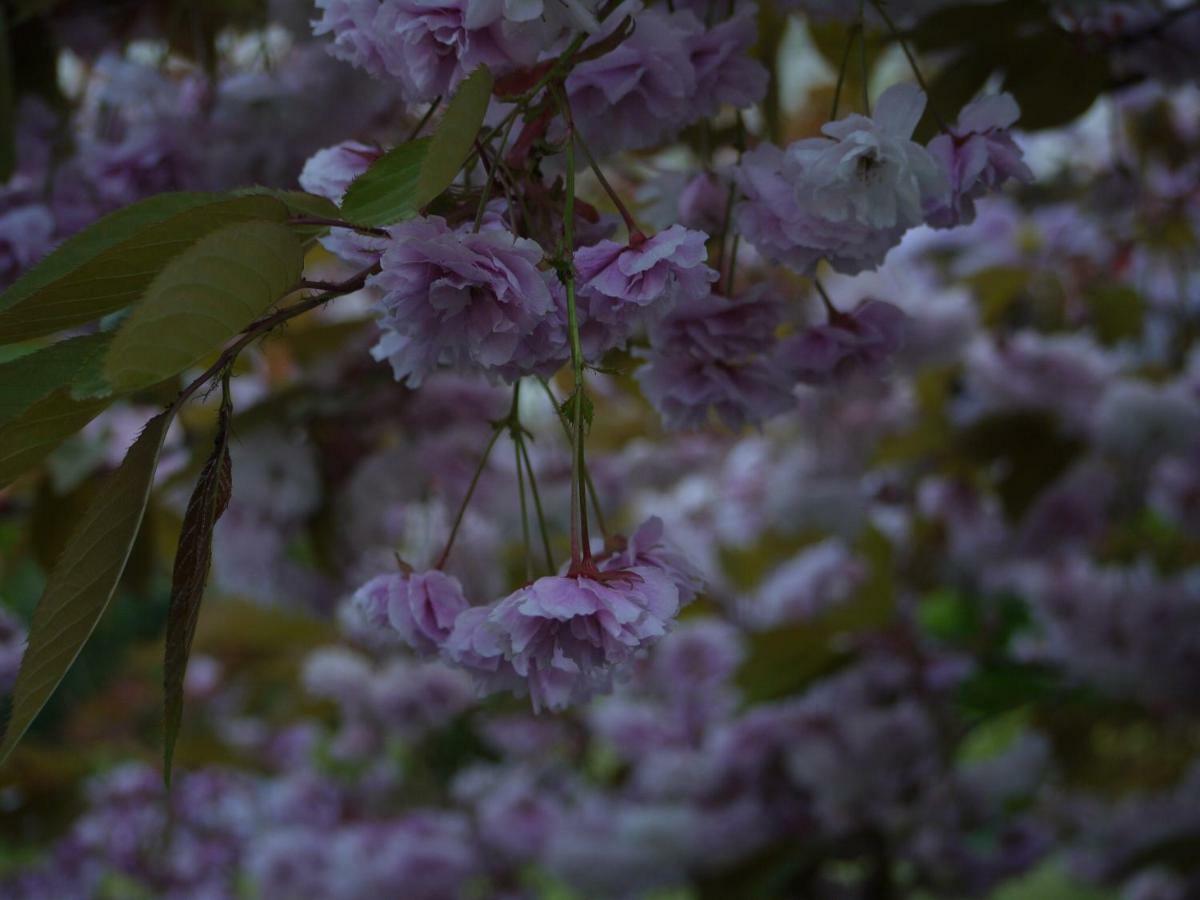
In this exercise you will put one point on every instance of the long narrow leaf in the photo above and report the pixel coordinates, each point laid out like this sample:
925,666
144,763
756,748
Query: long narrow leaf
83,580
192,562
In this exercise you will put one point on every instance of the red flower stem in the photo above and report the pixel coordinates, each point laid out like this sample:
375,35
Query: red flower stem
832,310
636,237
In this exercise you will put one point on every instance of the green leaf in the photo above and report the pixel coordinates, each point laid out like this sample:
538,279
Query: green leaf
408,177
202,298
39,429
1053,103
8,103
1029,449
567,411
108,266
1049,881
1117,312
72,363
192,561
299,203
83,580
387,192
993,736
455,135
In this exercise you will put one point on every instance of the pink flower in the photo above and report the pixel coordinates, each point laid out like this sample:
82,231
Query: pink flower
474,301
667,267
649,547
420,606
714,354
622,286
861,342
329,172
977,155
561,637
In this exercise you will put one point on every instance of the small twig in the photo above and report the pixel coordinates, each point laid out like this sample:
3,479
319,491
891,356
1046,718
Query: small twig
437,101
337,223
267,323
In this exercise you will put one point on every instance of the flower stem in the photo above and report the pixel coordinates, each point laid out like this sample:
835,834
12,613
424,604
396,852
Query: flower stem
492,167
597,510
514,428
855,31
462,509
912,63
862,58
580,549
437,101
537,506
832,310
636,236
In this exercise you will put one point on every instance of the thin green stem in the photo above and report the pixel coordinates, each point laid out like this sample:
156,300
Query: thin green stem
912,62
524,510
597,510
514,429
462,509
537,506
862,58
726,220
855,31
565,61
733,254
493,167
580,549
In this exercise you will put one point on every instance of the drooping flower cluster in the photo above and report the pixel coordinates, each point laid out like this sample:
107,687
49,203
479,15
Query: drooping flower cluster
460,298
622,287
560,638
428,48
847,197
947,637
861,342
672,71
564,635
716,354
